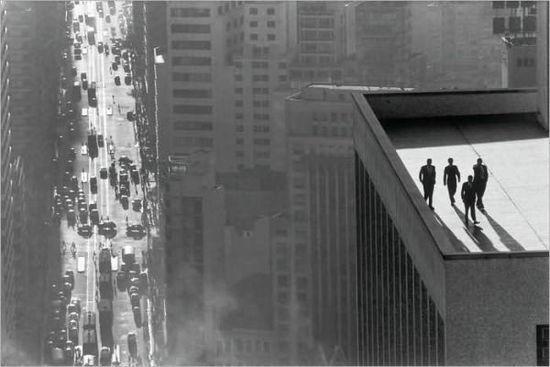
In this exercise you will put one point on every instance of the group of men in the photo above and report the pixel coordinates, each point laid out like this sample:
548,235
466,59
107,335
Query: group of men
472,189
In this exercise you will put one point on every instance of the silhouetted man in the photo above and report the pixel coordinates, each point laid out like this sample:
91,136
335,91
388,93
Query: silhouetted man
427,177
450,177
468,195
481,176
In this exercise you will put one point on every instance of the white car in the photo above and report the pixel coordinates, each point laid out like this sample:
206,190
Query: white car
84,177
109,111
84,112
84,50
84,149
81,264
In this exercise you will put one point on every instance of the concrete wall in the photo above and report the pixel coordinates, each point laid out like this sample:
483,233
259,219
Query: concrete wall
493,307
443,104
416,225
542,62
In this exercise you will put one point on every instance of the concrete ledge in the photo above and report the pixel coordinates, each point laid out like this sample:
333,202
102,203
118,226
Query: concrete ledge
414,221
495,255
403,105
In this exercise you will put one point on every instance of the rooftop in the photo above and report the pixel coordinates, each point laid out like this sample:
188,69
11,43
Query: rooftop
514,148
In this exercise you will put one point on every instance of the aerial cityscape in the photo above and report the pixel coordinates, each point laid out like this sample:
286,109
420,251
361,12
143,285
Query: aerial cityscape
279,183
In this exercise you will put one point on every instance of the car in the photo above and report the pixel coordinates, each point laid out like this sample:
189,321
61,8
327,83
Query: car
89,320
117,80
105,356
103,174
85,230
84,112
130,116
100,141
109,111
72,153
106,50
84,149
124,201
88,360
83,176
84,50
108,19
100,47
81,264
93,184
114,66
136,205
126,68
132,344
80,18
73,335
84,84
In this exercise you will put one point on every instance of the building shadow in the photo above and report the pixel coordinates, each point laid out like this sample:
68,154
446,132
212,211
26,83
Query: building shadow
457,244
476,233
506,238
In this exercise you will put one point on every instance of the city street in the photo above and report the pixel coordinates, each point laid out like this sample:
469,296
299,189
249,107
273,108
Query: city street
109,120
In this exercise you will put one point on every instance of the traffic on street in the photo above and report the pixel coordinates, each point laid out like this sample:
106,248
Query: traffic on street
98,304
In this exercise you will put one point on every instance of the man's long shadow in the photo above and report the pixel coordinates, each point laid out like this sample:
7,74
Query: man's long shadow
458,244
476,234
505,237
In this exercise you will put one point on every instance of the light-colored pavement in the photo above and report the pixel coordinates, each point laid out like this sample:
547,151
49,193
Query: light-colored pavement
516,199
97,67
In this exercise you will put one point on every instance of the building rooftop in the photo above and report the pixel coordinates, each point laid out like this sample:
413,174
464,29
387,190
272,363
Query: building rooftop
514,148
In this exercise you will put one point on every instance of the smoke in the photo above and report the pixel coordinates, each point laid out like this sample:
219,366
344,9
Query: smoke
15,355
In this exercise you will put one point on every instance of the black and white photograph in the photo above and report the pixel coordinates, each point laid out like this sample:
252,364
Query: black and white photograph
274,183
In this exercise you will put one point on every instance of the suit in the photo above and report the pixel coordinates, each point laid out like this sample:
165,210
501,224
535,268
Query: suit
450,176
481,175
427,177
468,194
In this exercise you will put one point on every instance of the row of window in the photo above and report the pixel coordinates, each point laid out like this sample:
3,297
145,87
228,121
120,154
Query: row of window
527,61
254,90
191,61
240,103
190,28
192,141
254,11
316,22
269,23
257,129
191,77
334,131
317,35
193,125
241,346
257,154
322,116
257,116
192,109
192,93
191,45
260,64
255,37
190,12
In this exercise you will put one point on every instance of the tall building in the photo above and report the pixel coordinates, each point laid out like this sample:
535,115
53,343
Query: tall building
321,233
515,23
457,44
542,67
13,219
323,32
434,288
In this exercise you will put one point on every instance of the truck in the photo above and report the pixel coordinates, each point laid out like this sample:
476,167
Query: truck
105,286
91,38
128,255
77,94
105,261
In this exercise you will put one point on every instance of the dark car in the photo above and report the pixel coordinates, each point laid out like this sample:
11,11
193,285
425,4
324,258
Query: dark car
114,66
127,80
103,174
108,19
85,230
132,344
93,185
83,76
84,84
100,141
89,321
130,116
100,47
117,80
126,67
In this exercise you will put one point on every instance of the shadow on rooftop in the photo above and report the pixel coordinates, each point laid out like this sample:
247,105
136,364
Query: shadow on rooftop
432,132
505,237
476,234
457,244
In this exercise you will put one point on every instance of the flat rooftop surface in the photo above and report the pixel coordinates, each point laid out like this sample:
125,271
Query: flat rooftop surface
514,148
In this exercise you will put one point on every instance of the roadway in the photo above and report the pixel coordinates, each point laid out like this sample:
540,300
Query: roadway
116,128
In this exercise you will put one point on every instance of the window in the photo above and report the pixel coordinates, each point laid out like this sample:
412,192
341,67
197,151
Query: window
271,24
261,129
192,109
191,45
239,128
261,116
220,10
271,37
282,78
239,116
260,78
190,28
259,64
238,77
191,61
253,24
238,90
189,12
238,103
193,125
253,36
192,93
239,141
191,77
253,11
542,345
270,11
239,153
259,141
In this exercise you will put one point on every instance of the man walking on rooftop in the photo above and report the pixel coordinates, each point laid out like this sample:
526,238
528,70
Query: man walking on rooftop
450,176
427,177
481,175
468,195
